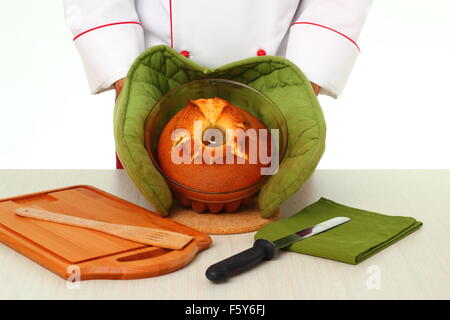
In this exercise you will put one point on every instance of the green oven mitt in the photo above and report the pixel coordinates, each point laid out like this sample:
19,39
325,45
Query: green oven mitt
160,69
352,242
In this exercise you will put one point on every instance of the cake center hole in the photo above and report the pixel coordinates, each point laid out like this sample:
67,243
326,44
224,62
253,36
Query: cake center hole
213,136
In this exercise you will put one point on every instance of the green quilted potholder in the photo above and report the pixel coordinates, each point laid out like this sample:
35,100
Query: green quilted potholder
160,69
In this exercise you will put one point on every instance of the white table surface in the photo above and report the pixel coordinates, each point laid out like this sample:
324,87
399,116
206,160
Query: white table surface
416,267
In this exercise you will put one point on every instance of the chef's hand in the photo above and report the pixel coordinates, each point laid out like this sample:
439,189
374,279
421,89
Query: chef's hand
118,86
316,88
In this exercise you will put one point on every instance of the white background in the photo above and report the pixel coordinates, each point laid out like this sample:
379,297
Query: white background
394,112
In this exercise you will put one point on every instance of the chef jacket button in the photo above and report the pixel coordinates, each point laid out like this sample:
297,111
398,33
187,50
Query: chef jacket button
261,52
185,53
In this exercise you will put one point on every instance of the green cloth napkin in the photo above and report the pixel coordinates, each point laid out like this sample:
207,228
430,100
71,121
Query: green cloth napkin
352,242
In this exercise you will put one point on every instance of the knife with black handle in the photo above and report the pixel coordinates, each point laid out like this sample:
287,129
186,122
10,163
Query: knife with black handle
264,250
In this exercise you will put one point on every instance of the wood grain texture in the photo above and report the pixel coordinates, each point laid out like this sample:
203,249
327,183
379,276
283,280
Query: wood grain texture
416,267
97,255
151,236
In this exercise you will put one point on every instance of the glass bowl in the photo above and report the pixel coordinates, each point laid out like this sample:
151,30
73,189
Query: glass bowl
238,94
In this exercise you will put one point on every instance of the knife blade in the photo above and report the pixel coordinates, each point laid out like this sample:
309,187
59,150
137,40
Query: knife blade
264,249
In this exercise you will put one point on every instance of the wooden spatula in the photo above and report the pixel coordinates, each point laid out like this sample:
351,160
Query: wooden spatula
154,237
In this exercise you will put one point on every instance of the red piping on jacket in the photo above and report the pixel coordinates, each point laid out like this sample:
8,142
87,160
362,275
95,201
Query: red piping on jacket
106,25
328,28
171,29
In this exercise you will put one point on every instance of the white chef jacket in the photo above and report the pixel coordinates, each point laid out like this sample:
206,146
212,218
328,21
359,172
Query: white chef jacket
317,35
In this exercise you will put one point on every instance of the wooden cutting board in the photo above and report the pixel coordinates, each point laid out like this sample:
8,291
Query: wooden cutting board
76,252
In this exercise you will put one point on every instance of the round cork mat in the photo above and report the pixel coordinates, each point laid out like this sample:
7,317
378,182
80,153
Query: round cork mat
246,219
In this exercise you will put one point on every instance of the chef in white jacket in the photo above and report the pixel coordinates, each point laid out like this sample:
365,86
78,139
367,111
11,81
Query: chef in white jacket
319,36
